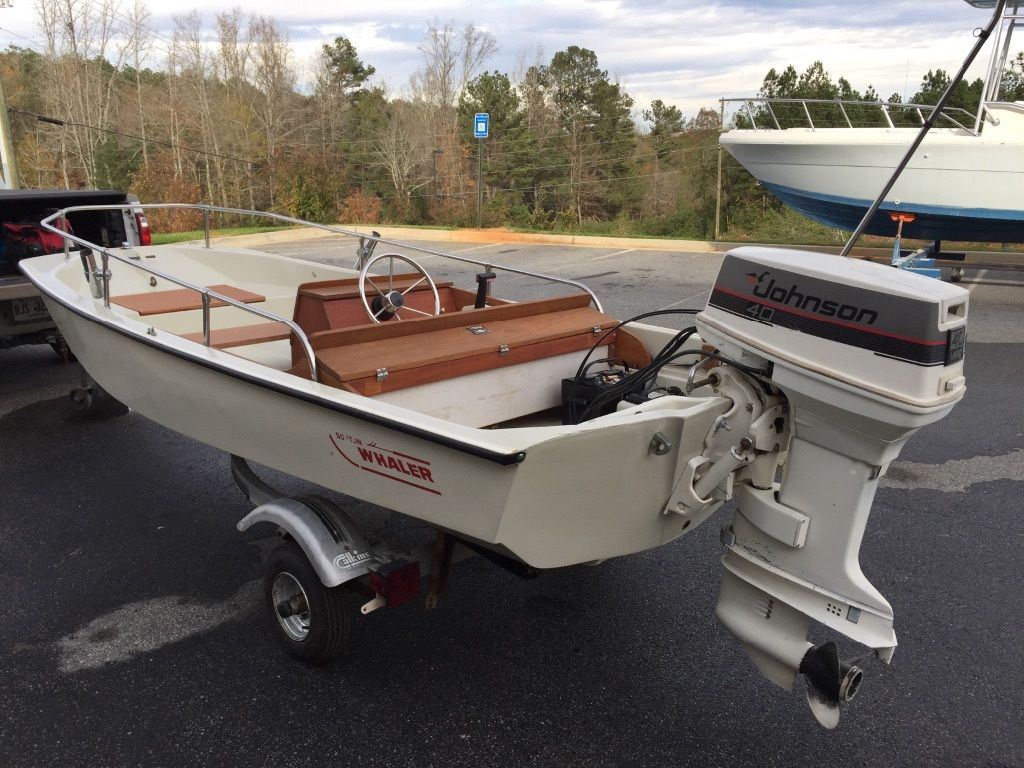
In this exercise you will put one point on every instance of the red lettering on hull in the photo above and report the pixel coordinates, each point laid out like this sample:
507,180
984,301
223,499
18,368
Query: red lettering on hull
406,465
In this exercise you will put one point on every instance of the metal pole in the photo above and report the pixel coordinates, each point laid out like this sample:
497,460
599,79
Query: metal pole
206,226
206,318
105,262
983,35
718,187
8,161
479,179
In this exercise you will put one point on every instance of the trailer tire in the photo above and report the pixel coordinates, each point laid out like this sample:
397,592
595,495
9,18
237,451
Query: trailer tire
321,631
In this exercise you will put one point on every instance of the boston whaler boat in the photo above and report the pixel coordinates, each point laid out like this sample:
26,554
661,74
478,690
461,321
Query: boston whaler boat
965,182
543,433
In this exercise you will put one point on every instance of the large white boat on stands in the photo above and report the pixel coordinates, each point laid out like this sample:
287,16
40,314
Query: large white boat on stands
965,182
541,433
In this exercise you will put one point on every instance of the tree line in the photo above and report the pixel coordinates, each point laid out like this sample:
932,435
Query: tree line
226,120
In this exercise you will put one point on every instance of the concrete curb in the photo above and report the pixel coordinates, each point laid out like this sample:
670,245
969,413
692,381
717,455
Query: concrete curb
497,235
477,236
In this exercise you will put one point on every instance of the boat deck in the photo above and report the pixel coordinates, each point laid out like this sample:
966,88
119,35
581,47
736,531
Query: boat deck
521,350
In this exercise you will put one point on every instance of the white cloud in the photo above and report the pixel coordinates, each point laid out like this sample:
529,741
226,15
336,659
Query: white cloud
684,52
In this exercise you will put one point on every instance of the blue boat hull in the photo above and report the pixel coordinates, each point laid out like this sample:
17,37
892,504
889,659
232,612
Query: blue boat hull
931,222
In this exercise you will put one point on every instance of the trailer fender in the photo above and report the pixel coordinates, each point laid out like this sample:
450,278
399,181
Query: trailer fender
335,549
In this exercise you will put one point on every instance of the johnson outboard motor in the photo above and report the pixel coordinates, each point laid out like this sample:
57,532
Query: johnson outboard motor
862,356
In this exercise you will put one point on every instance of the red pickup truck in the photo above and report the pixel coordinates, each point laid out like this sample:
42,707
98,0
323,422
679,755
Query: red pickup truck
23,316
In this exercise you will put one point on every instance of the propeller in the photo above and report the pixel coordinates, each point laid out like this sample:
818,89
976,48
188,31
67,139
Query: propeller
830,682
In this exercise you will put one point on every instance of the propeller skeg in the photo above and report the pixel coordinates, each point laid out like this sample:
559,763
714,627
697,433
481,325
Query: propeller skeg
830,682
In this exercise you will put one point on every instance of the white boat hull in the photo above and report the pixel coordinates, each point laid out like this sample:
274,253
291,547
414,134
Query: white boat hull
547,495
958,186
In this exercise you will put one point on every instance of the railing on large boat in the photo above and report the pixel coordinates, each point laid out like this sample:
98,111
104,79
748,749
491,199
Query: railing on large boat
832,113
98,277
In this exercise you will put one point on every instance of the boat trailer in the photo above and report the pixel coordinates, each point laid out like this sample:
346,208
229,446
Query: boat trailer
324,564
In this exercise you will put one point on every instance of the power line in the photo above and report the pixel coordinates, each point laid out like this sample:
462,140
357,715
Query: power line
27,39
588,182
59,122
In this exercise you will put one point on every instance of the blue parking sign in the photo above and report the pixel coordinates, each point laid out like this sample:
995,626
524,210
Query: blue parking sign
481,125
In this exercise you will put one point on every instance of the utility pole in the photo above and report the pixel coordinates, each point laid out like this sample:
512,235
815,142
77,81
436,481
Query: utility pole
8,162
718,187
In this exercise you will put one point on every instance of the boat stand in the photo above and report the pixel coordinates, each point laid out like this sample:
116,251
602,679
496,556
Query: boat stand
92,399
922,261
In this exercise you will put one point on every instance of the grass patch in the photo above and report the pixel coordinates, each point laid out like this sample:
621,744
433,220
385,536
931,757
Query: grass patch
163,238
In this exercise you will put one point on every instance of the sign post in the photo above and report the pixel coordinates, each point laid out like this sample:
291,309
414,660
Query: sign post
481,130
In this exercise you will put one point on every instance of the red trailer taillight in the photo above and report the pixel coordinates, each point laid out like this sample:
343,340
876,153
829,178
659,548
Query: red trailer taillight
397,582
142,224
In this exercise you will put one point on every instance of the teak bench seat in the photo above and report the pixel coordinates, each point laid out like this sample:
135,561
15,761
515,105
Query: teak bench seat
336,304
381,358
181,299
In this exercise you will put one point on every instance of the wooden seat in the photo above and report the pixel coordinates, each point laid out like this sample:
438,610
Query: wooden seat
181,299
371,360
337,304
242,335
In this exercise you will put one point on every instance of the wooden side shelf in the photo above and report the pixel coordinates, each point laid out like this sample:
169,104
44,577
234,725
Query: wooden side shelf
181,299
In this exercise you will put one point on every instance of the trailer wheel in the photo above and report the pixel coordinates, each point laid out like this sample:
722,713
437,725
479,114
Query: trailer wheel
313,621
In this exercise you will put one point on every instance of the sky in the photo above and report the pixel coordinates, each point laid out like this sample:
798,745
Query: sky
685,53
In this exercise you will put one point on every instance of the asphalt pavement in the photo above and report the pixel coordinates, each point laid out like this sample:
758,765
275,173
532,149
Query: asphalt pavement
132,631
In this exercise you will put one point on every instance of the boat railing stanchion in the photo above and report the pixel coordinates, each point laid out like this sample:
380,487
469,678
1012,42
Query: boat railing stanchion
206,317
105,276
846,117
750,114
64,226
885,114
206,226
807,112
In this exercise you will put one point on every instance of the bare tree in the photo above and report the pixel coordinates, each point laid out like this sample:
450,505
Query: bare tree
274,79
400,149
451,59
82,65
197,76
139,43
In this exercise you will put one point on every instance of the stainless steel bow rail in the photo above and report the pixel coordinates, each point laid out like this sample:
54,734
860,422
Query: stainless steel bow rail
99,277
367,242
884,108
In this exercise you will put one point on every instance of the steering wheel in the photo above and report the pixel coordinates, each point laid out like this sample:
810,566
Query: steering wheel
382,304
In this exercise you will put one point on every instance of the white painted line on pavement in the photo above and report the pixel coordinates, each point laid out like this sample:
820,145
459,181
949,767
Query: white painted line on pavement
477,247
684,301
572,264
610,255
